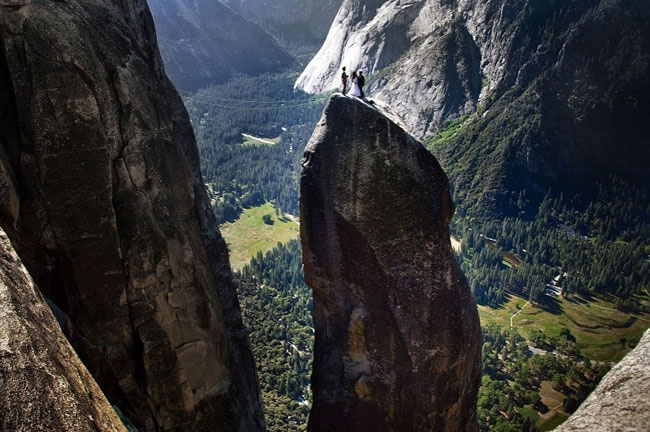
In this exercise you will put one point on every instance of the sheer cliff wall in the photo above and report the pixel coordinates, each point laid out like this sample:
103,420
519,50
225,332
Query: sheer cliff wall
102,197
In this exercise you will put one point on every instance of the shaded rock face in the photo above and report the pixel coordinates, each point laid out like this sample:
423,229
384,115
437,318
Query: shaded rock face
103,199
620,402
397,343
203,42
44,384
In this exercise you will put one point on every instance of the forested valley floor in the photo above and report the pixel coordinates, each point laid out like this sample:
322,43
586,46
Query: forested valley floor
562,286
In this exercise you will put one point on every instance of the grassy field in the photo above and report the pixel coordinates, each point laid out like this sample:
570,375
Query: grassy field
249,234
252,141
602,333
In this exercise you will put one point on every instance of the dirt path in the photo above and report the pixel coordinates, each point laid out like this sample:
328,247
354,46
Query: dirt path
264,140
518,312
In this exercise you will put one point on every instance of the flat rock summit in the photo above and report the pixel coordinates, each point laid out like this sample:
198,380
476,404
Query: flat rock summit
397,344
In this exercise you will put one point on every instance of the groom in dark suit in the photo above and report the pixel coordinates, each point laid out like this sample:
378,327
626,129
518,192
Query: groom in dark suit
344,81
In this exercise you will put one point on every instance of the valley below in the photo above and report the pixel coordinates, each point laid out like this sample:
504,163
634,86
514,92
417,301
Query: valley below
174,174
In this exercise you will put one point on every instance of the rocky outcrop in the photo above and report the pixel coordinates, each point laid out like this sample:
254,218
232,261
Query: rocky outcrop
397,338
203,42
620,402
44,384
104,202
418,54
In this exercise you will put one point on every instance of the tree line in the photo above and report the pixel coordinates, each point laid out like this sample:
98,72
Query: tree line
596,247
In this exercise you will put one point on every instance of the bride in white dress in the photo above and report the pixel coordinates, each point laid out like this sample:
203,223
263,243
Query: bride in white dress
355,90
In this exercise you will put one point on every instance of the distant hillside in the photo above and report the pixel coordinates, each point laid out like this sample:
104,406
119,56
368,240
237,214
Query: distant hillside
569,114
294,22
203,42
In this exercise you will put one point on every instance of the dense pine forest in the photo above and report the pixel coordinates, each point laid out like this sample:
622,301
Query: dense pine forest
594,242
243,175
276,307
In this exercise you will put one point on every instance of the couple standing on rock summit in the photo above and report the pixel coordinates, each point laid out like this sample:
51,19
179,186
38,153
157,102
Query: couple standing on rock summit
357,82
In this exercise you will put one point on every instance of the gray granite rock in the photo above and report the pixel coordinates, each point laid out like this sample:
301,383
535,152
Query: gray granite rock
103,199
397,337
45,387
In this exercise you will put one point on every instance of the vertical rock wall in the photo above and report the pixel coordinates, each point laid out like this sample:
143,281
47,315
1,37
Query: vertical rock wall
103,199
397,345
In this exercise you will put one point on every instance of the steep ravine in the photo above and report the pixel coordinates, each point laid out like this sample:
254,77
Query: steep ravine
102,197
397,337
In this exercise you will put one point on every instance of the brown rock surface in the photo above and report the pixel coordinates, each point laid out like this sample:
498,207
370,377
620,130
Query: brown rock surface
44,385
620,402
103,199
397,345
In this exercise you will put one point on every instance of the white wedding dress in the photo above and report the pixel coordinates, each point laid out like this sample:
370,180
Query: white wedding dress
355,90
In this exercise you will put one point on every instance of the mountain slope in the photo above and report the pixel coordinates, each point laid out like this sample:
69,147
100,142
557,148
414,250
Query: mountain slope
574,114
562,88
204,42
295,22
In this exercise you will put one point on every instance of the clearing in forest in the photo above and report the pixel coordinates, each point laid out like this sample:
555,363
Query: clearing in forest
251,233
602,333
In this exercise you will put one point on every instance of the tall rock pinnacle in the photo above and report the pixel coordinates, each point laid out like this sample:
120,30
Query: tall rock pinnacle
102,197
397,344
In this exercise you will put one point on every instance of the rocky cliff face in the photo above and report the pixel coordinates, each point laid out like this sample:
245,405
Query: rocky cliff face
204,42
561,87
397,343
295,22
44,384
421,55
103,199
620,402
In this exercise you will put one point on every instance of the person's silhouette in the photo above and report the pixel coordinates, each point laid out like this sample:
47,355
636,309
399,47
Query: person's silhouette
344,81
361,80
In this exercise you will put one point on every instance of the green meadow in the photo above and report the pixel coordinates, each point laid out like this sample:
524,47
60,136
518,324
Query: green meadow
249,234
